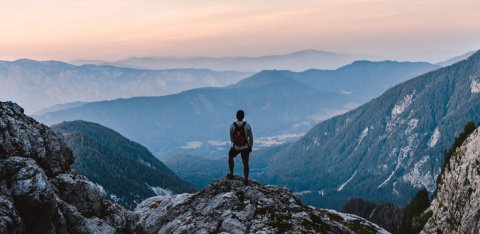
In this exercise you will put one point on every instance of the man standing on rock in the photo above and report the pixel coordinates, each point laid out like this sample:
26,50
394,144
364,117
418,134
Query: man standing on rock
242,143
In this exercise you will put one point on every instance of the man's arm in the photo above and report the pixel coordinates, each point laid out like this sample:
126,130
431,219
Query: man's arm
250,136
231,134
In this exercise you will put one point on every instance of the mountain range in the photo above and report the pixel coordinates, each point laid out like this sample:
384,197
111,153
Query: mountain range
295,61
389,147
42,84
127,171
281,105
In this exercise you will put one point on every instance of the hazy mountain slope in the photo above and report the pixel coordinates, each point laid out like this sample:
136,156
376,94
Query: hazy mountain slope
278,104
364,80
41,84
296,61
199,119
60,107
127,170
456,59
388,148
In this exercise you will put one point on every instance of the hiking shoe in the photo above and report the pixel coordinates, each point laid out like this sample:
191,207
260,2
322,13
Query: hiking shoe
229,176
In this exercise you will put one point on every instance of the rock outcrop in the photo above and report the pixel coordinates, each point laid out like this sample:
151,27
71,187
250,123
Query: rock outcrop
230,206
39,193
456,207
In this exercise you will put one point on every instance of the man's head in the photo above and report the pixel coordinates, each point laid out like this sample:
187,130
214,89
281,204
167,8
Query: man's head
240,115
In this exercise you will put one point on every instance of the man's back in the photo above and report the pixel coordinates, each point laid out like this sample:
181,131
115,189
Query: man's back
248,132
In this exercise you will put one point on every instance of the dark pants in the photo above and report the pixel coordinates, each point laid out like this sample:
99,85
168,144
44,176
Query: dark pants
245,156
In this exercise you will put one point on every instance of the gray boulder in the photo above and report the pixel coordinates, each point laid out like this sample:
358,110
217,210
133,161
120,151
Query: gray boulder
231,207
39,193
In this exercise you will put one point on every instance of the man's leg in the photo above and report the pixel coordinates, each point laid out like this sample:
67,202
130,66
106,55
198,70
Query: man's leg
231,154
246,169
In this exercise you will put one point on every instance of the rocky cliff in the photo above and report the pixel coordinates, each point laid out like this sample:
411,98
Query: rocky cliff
456,207
230,206
39,193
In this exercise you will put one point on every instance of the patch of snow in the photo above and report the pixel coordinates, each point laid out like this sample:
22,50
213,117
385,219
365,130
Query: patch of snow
412,124
400,107
302,193
420,175
321,192
114,197
192,145
388,179
344,216
474,86
404,153
346,92
395,191
434,139
100,187
148,164
159,191
346,182
363,134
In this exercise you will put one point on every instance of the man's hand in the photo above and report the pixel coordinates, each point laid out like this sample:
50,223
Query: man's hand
249,149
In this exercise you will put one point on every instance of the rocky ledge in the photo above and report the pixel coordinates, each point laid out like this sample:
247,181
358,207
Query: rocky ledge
230,206
39,193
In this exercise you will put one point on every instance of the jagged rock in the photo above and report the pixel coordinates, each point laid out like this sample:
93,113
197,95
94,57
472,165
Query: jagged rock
80,192
456,207
38,191
23,136
10,221
33,196
230,206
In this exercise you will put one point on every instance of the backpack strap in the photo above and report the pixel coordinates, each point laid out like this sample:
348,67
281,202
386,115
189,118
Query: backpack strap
246,136
235,124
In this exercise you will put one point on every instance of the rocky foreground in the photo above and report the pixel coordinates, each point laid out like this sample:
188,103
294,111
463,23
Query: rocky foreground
230,206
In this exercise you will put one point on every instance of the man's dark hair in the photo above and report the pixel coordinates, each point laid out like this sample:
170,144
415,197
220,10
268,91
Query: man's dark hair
240,115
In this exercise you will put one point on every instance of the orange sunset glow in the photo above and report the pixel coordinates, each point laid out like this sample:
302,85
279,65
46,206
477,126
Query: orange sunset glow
114,29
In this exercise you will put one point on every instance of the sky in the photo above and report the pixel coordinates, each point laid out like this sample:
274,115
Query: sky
427,30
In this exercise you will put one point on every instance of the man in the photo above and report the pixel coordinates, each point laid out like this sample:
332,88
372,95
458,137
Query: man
242,143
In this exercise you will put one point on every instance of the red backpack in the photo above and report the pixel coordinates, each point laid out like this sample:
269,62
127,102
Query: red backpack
239,135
